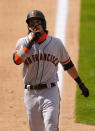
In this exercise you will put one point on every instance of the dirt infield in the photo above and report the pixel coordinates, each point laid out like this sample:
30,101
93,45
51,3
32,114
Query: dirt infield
12,27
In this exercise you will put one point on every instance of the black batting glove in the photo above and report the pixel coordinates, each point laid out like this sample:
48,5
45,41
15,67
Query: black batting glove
32,37
37,35
84,89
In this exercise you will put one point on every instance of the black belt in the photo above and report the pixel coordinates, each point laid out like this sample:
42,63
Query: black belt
39,87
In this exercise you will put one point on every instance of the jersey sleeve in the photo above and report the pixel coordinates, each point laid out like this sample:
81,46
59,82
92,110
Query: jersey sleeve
64,56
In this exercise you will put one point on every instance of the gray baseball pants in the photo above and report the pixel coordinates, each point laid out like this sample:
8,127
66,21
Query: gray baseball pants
43,107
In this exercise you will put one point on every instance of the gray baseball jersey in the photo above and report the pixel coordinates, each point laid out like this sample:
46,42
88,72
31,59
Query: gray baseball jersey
40,66
42,62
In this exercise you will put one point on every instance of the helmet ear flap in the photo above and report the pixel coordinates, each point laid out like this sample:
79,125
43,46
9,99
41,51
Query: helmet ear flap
44,24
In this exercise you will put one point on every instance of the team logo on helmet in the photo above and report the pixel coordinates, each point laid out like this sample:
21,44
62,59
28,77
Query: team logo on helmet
34,13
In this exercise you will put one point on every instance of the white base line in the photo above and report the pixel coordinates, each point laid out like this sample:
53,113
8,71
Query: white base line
60,32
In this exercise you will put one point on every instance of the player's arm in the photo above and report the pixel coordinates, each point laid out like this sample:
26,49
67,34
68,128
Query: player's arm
70,68
21,53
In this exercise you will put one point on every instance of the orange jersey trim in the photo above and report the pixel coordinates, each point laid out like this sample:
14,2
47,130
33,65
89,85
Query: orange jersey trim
26,50
65,62
42,38
17,59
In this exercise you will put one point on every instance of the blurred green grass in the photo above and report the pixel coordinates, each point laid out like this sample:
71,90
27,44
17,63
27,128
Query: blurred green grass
85,107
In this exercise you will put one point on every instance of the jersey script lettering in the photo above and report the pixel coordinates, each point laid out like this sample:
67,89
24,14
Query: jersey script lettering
42,57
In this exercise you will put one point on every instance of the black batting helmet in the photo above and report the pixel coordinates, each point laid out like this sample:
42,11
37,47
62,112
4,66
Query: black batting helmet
36,14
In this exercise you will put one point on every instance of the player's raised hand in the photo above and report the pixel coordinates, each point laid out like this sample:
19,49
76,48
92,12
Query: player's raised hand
34,36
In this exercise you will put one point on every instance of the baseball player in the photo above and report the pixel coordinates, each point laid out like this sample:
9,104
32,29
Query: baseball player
40,55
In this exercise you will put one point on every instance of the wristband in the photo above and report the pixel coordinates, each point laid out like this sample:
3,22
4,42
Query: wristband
68,65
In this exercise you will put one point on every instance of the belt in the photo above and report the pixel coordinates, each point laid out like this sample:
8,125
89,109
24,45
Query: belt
39,86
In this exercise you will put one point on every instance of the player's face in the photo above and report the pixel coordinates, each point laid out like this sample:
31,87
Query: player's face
35,25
